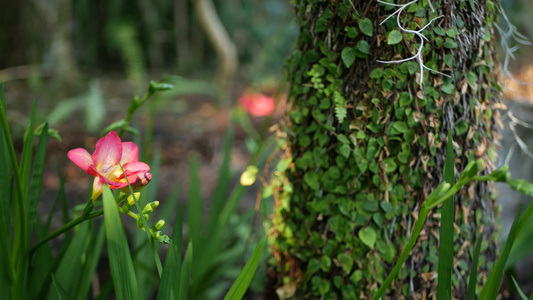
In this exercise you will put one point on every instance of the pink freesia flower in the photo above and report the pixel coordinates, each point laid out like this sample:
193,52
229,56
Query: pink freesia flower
257,104
104,164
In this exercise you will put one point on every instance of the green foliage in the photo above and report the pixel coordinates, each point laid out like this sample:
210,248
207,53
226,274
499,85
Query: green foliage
40,272
367,141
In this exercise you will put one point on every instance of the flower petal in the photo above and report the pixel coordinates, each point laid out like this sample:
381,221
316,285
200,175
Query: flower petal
130,153
98,187
108,152
135,167
82,159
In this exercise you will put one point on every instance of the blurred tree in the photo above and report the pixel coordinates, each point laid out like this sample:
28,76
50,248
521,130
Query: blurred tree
221,41
366,143
57,18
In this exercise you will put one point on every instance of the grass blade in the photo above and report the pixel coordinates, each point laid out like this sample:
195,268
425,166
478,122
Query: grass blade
60,291
93,258
472,281
444,288
185,275
36,180
492,285
195,210
27,150
221,191
242,283
117,247
68,271
169,283
519,290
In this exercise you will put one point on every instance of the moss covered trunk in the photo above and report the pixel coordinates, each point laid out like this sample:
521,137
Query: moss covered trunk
365,143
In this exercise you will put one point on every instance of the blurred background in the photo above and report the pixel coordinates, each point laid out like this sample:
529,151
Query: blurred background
82,61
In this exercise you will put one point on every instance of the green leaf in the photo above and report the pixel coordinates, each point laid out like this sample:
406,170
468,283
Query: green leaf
36,180
450,43
348,56
346,261
368,236
169,283
377,73
363,47
120,262
519,290
240,286
471,78
60,291
194,210
394,37
448,88
492,285
446,253
94,250
69,270
366,26
472,281
185,274
351,32
312,180
400,126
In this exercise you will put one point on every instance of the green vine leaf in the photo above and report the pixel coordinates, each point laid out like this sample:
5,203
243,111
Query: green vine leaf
348,56
366,26
368,236
394,37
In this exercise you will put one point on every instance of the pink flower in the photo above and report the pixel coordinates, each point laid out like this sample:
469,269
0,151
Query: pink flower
104,164
257,104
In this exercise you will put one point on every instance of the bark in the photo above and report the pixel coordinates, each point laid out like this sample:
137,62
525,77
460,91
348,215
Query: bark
365,143
181,30
221,41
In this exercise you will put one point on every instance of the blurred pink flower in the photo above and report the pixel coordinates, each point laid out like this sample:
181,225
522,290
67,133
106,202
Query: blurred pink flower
104,164
257,104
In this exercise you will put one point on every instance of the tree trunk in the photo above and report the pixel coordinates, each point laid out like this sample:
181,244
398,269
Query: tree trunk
221,41
366,144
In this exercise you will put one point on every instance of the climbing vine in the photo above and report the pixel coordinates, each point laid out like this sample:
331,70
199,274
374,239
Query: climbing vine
364,144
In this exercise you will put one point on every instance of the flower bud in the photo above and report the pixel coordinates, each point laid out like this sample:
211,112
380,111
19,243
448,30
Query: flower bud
158,225
149,208
131,199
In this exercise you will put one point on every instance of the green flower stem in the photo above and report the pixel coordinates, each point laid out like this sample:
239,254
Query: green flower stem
145,225
134,105
412,240
442,193
65,228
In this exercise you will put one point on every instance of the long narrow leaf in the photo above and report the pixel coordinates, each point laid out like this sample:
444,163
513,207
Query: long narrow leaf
68,271
27,150
444,289
185,275
519,290
60,291
242,283
170,276
6,179
221,191
117,247
36,181
490,290
195,210
92,260
472,281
